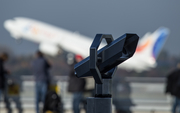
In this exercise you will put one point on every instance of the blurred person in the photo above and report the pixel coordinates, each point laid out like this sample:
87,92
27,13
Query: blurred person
40,70
121,95
5,87
173,87
76,86
14,85
3,81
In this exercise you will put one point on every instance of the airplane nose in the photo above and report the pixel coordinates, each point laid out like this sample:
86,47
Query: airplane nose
11,26
8,24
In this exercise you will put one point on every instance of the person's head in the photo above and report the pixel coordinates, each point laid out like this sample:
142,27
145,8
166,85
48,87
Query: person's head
4,56
178,65
39,54
78,58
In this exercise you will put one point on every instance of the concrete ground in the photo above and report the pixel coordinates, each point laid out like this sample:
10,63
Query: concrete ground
2,110
147,96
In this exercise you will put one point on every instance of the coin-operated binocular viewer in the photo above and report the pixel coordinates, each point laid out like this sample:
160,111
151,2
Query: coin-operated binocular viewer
102,64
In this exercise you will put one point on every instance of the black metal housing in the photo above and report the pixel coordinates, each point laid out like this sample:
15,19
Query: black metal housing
107,58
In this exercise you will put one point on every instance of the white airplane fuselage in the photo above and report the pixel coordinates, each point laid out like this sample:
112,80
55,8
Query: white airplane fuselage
46,34
52,38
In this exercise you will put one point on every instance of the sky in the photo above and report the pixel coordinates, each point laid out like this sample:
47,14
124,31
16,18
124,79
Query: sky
114,17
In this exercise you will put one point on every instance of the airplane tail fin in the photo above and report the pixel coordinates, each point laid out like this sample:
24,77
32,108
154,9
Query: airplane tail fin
150,45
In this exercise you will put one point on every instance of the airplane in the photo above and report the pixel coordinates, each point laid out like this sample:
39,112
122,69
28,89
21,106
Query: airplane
51,39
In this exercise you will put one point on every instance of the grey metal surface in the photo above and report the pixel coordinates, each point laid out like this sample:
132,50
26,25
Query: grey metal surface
104,88
99,105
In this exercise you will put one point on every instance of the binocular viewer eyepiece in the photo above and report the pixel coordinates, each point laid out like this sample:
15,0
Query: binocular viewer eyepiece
102,63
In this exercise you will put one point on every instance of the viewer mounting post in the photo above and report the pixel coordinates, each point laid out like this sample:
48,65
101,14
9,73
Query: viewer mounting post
102,64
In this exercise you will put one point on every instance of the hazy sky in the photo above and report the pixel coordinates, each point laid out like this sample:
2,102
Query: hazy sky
114,17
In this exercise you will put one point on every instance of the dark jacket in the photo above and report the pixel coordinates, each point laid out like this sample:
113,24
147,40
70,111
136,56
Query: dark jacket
2,75
173,83
75,84
41,69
